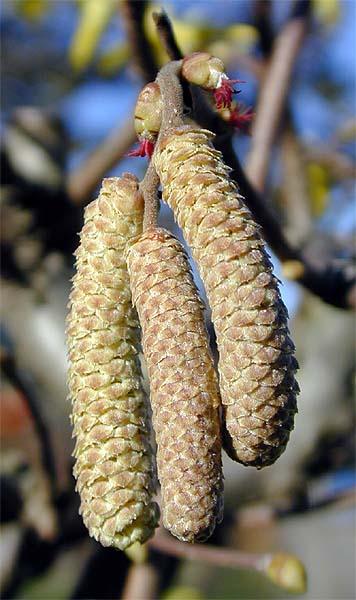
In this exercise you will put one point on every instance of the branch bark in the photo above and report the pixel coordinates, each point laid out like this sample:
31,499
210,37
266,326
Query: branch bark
272,98
82,181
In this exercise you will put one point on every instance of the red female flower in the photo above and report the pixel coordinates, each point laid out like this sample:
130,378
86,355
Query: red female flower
223,94
145,148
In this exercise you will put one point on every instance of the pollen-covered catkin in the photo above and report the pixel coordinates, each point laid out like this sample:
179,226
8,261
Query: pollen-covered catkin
184,389
256,362
113,464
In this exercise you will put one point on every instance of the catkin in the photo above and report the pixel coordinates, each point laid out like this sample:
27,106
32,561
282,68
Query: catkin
256,362
184,390
113,464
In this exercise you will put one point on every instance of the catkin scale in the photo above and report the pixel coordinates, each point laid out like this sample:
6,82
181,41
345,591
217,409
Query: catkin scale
184,390
256,362
113,457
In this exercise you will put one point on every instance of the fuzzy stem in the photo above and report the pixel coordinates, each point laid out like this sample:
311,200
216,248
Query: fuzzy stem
149,187
172,96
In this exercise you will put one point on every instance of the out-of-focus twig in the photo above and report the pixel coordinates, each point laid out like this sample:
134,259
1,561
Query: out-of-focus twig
298,221
223,557
166,35
141,52
84,179
262,22
339,165
14,376
272,98
285,570
142,582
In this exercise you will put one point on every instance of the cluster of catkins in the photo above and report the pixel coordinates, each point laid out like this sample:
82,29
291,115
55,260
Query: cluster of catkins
133,283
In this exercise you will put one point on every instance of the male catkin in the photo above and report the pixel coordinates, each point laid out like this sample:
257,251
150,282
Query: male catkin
184,390
113,456
256,364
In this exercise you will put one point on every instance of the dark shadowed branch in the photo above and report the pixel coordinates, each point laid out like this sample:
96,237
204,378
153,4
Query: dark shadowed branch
141,51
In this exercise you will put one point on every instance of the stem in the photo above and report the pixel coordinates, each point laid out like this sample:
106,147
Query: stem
172,97
222,557
149,187
142,583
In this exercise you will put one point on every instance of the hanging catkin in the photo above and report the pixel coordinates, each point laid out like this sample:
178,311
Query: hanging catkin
113,456
184,391
256,362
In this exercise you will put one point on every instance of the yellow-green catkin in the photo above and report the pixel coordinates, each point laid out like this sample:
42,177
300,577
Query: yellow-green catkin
113,457
256,362
184,389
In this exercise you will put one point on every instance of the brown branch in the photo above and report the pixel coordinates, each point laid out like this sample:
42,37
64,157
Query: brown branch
82,181
298,222
141,51
272,98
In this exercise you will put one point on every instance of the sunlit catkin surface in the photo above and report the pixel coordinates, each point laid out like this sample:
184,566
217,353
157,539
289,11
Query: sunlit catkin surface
256,362
113,464
184,391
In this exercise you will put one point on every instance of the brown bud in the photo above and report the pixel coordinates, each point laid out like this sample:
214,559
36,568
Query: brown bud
204,70
184,391
256,362
148,112
113,465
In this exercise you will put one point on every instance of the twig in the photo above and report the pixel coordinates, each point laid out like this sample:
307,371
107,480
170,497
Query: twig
222,557
285,570
172,97
11,371
338,165
83,180
142,582
149,189
273,96
145,64
298,222
262,22
166,35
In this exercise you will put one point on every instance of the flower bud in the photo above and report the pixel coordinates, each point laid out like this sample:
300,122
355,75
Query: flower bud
148,112
203,69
